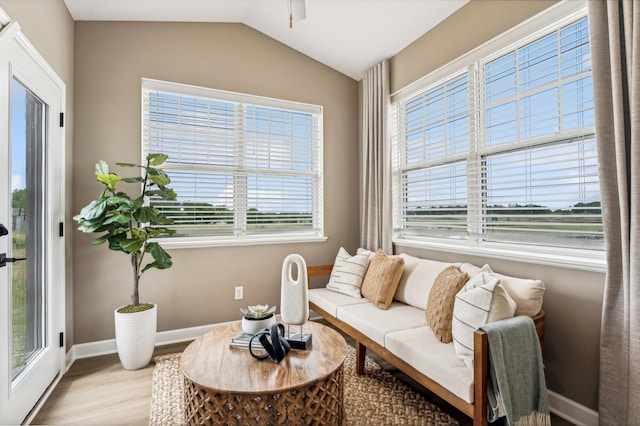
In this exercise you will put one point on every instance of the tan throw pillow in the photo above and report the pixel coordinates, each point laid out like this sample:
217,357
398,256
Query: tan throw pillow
382,278
439,312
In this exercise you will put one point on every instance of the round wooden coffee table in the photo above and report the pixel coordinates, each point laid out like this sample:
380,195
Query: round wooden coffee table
226,385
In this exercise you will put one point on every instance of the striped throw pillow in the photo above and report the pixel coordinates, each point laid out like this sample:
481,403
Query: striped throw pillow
480,301
348,273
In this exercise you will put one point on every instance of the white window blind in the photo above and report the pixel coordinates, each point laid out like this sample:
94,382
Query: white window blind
505,151
433,179
242,166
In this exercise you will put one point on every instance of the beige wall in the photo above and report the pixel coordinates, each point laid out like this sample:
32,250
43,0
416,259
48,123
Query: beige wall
49,27
111,58
472,25
573,298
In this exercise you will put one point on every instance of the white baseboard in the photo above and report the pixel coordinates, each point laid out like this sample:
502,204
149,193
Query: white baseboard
105,347
572,411
70,358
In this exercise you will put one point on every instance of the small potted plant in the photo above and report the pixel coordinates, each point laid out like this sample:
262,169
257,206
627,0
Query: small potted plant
258,317
128,224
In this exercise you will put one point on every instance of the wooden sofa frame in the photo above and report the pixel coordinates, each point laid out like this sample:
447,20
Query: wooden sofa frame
477,410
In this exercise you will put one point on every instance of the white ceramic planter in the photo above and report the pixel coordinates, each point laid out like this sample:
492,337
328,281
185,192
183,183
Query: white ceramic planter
136,337
252,326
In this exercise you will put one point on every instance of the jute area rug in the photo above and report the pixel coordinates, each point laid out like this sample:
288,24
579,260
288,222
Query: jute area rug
375,398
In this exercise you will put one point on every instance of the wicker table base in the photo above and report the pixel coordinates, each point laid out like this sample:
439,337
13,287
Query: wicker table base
225,385
319,403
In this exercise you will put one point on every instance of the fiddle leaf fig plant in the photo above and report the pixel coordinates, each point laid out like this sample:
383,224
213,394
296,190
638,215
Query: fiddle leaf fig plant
127,223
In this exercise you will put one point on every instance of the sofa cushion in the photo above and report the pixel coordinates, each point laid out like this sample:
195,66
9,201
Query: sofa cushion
369,253
439,312
381,281
469,268
481,300
348,273
375,323
527,293
329,301
417,278
421,348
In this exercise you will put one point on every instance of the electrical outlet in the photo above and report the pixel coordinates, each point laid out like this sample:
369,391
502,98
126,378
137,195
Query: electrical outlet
239,294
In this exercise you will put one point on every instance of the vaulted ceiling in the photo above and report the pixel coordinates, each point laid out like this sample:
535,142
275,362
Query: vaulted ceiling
348,35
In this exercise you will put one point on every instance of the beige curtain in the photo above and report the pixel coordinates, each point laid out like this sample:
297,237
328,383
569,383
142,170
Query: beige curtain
615,45
375,220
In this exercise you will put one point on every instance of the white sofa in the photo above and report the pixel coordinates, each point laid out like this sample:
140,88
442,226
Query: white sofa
402,336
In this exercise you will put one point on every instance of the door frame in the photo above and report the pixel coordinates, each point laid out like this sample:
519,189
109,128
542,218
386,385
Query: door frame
55,169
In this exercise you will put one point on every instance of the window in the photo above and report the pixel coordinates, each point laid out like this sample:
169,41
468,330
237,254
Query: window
499,147
245,168
435,146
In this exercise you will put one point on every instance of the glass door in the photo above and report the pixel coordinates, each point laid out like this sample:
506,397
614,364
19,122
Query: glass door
28,246
31,211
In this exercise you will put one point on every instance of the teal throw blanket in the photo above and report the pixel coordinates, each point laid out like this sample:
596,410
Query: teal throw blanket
517,387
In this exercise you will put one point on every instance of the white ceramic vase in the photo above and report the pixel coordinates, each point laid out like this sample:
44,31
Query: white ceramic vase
252,326
136,337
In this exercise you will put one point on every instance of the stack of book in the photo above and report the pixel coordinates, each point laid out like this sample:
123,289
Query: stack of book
241,340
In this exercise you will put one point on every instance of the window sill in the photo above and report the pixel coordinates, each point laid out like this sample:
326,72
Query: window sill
202,242
550,256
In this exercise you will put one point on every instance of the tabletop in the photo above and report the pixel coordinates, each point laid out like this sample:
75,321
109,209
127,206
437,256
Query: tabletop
211,363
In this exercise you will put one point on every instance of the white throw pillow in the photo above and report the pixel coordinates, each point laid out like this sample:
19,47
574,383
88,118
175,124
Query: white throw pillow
369,253
527,293
348,273
480,301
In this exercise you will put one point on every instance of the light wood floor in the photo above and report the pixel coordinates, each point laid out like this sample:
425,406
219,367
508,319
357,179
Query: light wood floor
98,391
